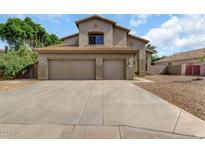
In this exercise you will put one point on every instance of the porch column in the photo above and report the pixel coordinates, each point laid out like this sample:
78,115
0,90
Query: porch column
149,63
99,68
142,62
42,68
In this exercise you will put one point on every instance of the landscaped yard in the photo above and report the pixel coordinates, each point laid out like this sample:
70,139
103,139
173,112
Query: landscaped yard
187,92
9,85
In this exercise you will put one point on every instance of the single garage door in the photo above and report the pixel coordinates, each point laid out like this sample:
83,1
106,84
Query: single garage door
71,69
114,69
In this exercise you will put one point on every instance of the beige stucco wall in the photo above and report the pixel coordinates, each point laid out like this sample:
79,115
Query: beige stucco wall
148,62
175,69
202,69
133,43
43,63
142,62
158,69
119,37
71,41
95,25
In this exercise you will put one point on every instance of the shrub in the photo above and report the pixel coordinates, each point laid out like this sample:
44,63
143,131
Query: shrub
14,62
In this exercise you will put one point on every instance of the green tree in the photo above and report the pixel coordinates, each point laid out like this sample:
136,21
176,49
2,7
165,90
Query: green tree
16,32
21,36
151,47
154,56
201,59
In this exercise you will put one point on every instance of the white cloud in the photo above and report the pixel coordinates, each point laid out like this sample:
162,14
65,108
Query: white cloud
137,20
181,32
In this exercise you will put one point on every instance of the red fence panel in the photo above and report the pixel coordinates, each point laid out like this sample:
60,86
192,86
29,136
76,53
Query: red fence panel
196,69
192,69
189,69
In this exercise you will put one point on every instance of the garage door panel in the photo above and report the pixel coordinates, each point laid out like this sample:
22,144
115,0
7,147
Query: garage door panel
114,69
72,69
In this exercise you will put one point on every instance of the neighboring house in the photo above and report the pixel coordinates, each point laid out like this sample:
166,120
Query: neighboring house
184,63
101,50
188,57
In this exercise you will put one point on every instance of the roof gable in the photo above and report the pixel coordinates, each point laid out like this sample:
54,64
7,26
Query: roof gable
107,21
95,17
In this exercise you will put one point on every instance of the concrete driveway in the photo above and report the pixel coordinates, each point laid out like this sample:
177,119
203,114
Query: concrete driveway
93,109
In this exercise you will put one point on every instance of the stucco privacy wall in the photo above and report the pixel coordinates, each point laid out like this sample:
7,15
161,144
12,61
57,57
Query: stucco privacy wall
120,37
175,69
202,69
95,25
71,41
158,69
43,63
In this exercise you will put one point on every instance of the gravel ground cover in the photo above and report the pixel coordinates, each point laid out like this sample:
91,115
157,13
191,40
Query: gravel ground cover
186,92
10,85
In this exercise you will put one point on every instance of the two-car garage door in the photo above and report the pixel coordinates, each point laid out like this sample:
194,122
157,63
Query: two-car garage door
71,69
85,69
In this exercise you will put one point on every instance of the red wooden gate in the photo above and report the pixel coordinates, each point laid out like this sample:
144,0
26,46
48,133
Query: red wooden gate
192,69
189,69
196,69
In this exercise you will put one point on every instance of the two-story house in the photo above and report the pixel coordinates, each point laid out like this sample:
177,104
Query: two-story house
101,50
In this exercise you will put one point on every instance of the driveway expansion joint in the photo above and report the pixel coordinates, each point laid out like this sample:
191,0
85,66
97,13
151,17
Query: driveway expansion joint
71,132
103,103
177,121
86,104
120,132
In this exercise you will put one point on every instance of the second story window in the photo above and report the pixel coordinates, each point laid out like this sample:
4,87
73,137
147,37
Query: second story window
95,39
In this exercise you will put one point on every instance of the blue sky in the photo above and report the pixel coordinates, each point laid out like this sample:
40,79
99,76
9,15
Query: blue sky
169,33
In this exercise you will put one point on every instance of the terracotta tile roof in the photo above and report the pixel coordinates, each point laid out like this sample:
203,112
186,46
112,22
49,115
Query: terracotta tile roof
138,38
184,55
66,49
69,36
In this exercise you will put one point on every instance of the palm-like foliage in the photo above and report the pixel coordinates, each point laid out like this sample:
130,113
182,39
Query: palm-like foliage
154,56
151,47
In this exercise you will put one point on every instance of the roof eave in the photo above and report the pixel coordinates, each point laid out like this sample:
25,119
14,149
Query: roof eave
69,36
122,28
139,38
